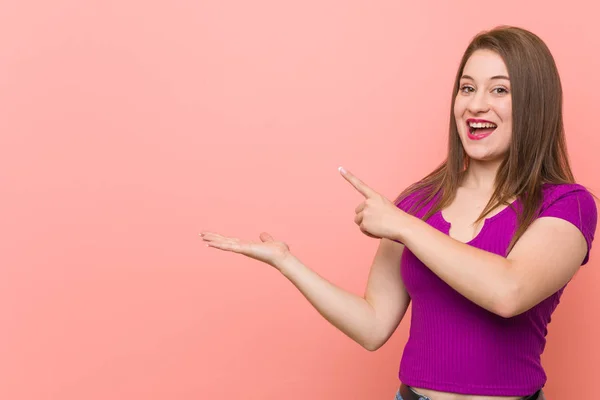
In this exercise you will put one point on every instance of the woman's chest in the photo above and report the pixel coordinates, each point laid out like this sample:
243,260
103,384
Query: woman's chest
494,235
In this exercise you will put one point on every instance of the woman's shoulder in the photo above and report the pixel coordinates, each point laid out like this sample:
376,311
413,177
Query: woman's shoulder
561,198
574,203
554,191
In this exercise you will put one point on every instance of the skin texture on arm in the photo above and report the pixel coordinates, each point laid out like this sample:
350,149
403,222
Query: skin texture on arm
544,259
368,320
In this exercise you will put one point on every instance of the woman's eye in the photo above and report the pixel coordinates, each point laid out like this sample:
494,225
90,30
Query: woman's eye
500,90
466,89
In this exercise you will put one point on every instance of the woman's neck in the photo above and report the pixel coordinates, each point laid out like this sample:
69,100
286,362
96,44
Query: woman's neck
480,175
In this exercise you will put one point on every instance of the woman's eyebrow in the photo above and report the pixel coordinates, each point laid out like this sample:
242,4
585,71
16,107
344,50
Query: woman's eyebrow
492,78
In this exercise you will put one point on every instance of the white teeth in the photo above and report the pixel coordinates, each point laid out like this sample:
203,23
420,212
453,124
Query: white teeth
482,125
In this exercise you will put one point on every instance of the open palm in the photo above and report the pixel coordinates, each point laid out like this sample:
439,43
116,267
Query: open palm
268,250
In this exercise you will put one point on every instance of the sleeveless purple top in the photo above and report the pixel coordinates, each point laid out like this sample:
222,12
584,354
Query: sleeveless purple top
458,346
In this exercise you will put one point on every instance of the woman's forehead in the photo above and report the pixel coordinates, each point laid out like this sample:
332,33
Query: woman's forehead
485,65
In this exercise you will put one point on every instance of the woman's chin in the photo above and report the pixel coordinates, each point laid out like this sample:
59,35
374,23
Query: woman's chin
483,155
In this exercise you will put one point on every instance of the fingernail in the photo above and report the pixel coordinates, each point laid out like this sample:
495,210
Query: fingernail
342,170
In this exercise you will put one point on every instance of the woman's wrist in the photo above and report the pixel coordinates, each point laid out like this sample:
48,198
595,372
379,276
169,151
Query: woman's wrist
285,263
401,226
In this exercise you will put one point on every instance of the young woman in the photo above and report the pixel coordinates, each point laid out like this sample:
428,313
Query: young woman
483,246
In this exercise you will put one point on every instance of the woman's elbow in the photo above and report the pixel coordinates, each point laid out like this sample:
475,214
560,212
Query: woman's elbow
375,342
509,305
372,345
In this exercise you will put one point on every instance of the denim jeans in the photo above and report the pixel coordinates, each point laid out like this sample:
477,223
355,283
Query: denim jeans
398,397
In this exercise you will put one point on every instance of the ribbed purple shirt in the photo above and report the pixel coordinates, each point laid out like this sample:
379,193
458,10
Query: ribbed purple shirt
457,346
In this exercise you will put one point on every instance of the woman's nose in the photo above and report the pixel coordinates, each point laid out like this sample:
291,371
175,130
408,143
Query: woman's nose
478,103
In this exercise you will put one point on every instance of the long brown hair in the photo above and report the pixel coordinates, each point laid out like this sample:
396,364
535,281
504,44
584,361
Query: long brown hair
537,153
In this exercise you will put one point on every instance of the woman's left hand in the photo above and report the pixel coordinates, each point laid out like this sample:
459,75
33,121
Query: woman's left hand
377,217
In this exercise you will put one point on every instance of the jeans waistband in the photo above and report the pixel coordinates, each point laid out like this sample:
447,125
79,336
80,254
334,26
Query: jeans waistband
407,393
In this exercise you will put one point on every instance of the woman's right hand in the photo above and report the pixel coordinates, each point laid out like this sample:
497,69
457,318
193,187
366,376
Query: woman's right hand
268,250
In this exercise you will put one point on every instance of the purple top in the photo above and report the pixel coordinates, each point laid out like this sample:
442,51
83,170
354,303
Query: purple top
458,346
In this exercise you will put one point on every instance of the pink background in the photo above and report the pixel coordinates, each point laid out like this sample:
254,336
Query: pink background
127,127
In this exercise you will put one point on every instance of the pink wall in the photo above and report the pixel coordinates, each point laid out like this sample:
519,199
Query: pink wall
127,127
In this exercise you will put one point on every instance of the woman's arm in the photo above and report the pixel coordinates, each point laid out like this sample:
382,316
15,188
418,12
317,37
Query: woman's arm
368,320
543,260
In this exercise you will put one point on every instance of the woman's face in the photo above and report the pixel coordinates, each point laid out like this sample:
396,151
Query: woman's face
483,107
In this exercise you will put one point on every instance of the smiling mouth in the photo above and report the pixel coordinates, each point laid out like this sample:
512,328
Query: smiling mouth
474,127
481,128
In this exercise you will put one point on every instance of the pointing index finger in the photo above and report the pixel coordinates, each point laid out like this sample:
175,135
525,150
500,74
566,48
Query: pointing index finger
357,183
